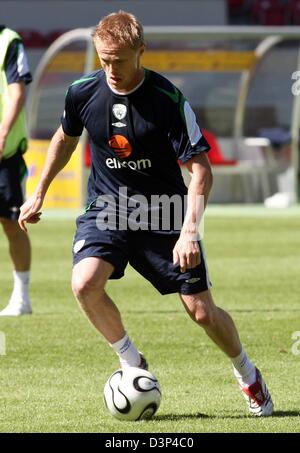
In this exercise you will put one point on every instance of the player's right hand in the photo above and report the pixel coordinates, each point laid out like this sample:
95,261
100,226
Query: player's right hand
30,211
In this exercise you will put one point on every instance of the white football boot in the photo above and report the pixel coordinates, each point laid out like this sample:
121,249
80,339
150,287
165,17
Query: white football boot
258,397
17,308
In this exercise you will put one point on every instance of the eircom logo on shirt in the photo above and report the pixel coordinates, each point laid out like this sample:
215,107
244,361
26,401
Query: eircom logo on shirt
141,164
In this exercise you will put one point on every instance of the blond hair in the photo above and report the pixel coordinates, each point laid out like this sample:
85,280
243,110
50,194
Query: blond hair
120,28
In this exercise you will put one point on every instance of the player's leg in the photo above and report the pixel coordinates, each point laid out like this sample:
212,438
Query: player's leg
88,283
19,244
220,327
12,172
153,259
20,253
218,324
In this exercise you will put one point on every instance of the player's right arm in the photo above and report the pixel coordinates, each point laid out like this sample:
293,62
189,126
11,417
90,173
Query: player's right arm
59,153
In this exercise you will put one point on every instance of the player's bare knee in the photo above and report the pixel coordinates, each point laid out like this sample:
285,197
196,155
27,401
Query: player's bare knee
200,309
204,316
83,286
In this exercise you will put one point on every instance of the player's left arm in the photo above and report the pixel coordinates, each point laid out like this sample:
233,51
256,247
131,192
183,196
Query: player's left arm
17,99
186,252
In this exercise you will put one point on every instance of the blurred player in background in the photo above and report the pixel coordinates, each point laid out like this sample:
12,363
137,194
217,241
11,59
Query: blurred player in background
14,76
140,126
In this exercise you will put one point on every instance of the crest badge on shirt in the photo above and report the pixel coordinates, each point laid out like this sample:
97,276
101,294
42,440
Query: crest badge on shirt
119,111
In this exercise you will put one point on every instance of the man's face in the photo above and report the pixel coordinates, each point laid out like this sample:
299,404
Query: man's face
121,64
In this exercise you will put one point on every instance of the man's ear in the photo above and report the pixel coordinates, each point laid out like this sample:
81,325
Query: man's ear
142,49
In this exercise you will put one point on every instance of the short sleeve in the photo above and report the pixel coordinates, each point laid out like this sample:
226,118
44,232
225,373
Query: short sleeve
71,123
16,64
185,135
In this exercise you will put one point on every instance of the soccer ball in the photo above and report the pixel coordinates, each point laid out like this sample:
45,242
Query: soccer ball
132,394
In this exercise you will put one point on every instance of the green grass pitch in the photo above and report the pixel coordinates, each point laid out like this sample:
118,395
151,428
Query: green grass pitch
56,365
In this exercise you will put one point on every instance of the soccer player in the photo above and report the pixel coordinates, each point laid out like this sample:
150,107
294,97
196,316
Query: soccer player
140,126
14,75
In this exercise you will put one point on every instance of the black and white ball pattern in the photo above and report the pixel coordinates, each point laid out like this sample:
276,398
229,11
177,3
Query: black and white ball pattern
132,394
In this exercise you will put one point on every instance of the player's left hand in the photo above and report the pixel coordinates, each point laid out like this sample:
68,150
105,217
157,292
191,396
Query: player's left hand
186,253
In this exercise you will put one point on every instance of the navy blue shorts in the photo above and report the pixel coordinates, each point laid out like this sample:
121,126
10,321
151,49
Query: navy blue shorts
149,253
12,172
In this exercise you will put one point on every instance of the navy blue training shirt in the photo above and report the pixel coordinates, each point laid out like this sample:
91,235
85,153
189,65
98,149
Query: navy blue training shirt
137,138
